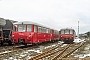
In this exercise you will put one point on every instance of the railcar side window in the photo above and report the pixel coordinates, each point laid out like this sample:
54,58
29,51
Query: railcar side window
47,30
29,28
21,28
55,32
39,29
35,28
62,31
43,30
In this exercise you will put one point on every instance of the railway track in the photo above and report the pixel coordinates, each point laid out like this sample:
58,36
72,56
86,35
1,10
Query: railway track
17,52
58,52
12,51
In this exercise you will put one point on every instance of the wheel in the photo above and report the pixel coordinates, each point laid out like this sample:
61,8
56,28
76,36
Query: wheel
25,44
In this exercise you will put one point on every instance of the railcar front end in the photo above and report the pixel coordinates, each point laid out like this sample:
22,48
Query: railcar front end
22,37
67,35
24,34
67,38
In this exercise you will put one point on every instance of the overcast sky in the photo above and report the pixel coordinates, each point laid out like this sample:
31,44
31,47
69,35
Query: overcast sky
56,14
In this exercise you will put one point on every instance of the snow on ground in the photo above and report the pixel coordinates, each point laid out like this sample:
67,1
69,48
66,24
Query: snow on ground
60,42
82,55
85,52
64,45
37,51
50,46
77,40
5,52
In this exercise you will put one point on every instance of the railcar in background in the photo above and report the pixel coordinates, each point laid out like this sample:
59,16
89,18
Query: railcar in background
6,31
2,23
67,35
54,35
30,33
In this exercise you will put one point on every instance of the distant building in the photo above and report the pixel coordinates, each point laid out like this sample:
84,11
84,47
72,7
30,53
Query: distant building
83,35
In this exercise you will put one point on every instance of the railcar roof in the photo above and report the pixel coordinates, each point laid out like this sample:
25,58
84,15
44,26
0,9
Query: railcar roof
29,22
67,29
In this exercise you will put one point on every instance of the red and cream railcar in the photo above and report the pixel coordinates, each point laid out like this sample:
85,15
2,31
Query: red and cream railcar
67,35
29,32
54,34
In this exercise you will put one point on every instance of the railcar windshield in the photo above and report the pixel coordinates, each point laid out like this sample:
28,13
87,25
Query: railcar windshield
71,31
21,28
66,31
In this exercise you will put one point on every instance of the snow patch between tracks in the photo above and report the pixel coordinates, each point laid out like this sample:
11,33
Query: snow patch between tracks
77,40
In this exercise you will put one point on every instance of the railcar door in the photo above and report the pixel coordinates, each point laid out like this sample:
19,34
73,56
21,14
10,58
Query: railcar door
40,34
48,34
35,39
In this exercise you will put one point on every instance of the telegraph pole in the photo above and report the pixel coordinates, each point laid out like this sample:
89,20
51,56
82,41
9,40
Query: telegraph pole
78,28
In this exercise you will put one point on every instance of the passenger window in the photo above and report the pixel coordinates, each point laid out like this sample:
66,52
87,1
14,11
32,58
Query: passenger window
39,29
29,28
62,31
35,28
47,30
43,30
21,28
54,31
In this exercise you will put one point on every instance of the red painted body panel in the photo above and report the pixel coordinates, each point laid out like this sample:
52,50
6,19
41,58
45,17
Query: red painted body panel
32,37
22,35
42,37
67,36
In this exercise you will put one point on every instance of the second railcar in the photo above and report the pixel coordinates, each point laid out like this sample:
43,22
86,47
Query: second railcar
67,35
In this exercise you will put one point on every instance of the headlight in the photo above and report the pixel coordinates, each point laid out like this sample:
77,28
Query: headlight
29,36
12,35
